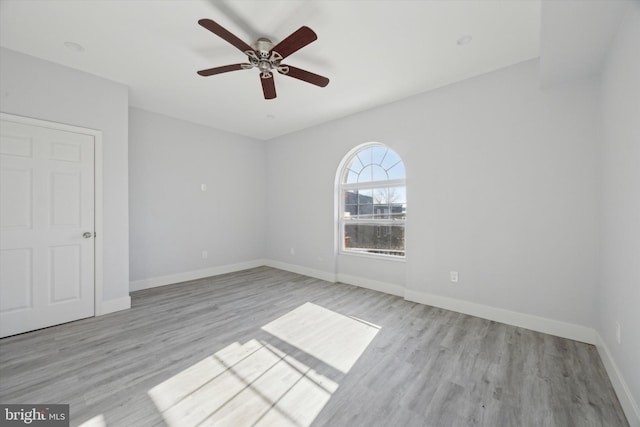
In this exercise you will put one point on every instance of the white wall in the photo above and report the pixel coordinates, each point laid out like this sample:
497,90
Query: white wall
506,182
619,292
172,220
502,187
40,89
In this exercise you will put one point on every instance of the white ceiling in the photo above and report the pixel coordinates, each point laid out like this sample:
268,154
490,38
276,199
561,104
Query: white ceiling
374,52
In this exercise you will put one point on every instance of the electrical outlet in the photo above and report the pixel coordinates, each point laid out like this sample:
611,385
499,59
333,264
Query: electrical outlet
453,276
293,251
203,187
618,332
205,254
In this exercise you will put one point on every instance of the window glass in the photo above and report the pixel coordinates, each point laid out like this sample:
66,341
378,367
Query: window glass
390,160
351,176
396,171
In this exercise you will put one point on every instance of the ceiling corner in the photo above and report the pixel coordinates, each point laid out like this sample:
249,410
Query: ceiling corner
575,36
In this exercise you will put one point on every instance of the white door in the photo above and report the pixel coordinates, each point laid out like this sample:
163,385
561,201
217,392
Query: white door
46,227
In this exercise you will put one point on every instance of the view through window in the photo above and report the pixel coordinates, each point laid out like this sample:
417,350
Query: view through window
373,202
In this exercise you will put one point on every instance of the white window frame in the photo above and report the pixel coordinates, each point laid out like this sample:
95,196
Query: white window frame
341,187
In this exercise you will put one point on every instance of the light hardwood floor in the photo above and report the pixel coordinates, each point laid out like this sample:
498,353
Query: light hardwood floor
268,347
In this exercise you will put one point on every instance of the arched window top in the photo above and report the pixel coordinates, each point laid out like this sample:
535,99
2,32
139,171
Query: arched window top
373,163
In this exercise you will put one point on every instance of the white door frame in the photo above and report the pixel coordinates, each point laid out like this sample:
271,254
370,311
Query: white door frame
98,245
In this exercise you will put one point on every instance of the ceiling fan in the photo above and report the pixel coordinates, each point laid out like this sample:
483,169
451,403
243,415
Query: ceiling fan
267,57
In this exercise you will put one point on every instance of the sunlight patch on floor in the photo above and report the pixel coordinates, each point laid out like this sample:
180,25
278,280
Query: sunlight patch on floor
335,339
97,421
258,384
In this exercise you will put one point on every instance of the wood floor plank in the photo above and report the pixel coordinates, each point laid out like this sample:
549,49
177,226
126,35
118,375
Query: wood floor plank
247,348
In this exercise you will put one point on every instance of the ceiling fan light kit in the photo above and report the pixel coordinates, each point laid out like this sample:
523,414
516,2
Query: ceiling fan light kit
267,57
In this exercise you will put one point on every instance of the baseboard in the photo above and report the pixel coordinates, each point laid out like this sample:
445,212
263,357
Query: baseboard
343,278
153,282
628,403
305,271
112,305
376,285
527,321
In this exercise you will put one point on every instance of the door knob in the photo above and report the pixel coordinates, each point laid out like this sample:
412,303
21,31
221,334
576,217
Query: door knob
87,234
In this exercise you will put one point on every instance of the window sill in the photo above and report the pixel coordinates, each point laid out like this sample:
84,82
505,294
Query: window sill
379,257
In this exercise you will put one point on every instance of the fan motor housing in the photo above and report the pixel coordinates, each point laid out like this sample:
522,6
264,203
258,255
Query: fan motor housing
263,47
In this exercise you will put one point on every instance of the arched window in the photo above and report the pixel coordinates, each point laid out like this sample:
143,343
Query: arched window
373,202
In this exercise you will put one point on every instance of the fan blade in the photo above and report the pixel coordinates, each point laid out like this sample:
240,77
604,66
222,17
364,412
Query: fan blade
306,76
268,86
224,69
296,41
221,32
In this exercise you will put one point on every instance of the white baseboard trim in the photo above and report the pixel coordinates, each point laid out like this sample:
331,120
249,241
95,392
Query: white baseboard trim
305,271
628,403
343,278
376,285
112,305
153,282
527,321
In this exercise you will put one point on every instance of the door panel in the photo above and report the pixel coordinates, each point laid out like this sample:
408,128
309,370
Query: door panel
65,273
16,268
65,200
15,183
47,203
